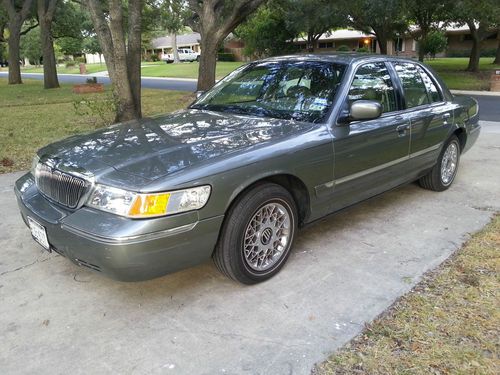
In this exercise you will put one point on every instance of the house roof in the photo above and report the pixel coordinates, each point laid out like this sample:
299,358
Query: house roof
340,35
182,41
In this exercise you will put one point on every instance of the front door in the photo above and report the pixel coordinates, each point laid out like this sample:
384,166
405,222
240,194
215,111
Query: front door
370,156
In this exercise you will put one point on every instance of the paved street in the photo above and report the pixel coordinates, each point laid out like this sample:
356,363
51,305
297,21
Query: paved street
56,318
490,105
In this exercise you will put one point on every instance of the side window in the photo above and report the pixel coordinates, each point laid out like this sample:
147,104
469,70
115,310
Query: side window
413,85
432,90
373,82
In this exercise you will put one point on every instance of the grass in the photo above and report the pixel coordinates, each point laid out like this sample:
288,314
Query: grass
149,69
33,117
448,324
91,68
186,70
452,71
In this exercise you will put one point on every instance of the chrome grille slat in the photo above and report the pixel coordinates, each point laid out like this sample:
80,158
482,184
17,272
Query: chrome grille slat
60,187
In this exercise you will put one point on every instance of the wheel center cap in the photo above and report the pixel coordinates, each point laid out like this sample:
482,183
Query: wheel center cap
266,236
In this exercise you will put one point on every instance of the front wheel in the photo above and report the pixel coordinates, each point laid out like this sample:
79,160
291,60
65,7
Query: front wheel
442,175
257,235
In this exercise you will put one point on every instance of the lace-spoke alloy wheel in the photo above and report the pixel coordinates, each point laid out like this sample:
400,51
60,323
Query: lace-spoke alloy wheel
257,235
442,175
267,236
449,163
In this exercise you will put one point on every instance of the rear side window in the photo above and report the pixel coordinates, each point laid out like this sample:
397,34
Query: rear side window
373,82
414,88
432,90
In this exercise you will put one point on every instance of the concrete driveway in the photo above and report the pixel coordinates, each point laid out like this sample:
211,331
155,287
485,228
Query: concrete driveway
56,318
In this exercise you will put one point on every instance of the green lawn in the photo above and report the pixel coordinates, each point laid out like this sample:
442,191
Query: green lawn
91,68
186,70
451,70
33,117
448,324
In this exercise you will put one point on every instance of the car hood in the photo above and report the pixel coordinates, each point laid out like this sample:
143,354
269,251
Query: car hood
142,151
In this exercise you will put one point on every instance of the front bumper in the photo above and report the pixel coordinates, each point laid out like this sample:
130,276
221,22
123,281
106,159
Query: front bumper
121,248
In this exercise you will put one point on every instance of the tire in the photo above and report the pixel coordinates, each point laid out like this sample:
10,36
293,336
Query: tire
253,246
441,176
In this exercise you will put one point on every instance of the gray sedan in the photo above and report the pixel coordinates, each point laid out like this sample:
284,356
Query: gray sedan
276,144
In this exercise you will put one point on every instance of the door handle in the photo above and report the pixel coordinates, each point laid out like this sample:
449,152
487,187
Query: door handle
401,129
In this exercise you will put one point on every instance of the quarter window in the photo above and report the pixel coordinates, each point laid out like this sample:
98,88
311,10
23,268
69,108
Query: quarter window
413,85
432,90
373,82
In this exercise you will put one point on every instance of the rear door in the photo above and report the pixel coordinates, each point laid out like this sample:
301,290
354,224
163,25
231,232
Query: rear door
431,117
370,156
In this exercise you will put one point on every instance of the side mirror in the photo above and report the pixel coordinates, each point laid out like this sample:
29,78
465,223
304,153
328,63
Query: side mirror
365,110
199,93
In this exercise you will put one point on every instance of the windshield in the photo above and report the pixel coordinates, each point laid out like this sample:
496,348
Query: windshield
299,90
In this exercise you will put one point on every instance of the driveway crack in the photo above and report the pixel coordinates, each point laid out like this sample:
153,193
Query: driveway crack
37,260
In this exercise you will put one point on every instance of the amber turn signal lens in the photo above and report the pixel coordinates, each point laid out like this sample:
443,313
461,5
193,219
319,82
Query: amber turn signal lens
149,205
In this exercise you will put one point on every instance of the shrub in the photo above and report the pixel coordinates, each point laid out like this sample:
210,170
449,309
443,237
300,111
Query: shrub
434,43
70,63
489,52
154,57
363,50
80,60
225,56
343,48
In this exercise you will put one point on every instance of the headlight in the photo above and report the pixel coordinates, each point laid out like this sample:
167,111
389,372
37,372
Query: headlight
34,163
138,205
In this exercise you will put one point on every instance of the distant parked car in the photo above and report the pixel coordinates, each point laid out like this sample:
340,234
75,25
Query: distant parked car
185,54
276,144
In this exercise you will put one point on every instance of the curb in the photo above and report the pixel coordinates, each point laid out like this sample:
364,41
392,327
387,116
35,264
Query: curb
477,93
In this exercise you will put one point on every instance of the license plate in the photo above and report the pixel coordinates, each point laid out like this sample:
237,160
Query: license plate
39,233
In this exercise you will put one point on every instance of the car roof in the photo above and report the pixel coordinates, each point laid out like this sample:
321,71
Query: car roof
345,58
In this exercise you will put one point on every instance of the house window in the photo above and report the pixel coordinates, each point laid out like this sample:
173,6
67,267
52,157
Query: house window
326,45
399,45
413,45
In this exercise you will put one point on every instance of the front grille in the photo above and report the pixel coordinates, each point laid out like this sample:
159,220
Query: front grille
60,187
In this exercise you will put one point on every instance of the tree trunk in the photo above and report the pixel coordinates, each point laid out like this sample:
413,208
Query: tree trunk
423,35
475,52
45,17
14,54
134,53
123,61
175,52
208,61
15,24
382,44
497,57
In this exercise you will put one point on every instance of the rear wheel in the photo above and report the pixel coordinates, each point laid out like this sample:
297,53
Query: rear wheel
257,235
442,175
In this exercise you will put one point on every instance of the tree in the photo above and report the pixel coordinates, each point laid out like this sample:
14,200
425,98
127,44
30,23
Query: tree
382,18
480,16
215,20
46,10
31,47
18,12
266,33
497,56
314,18
427,16
434,42
173,14
119,36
